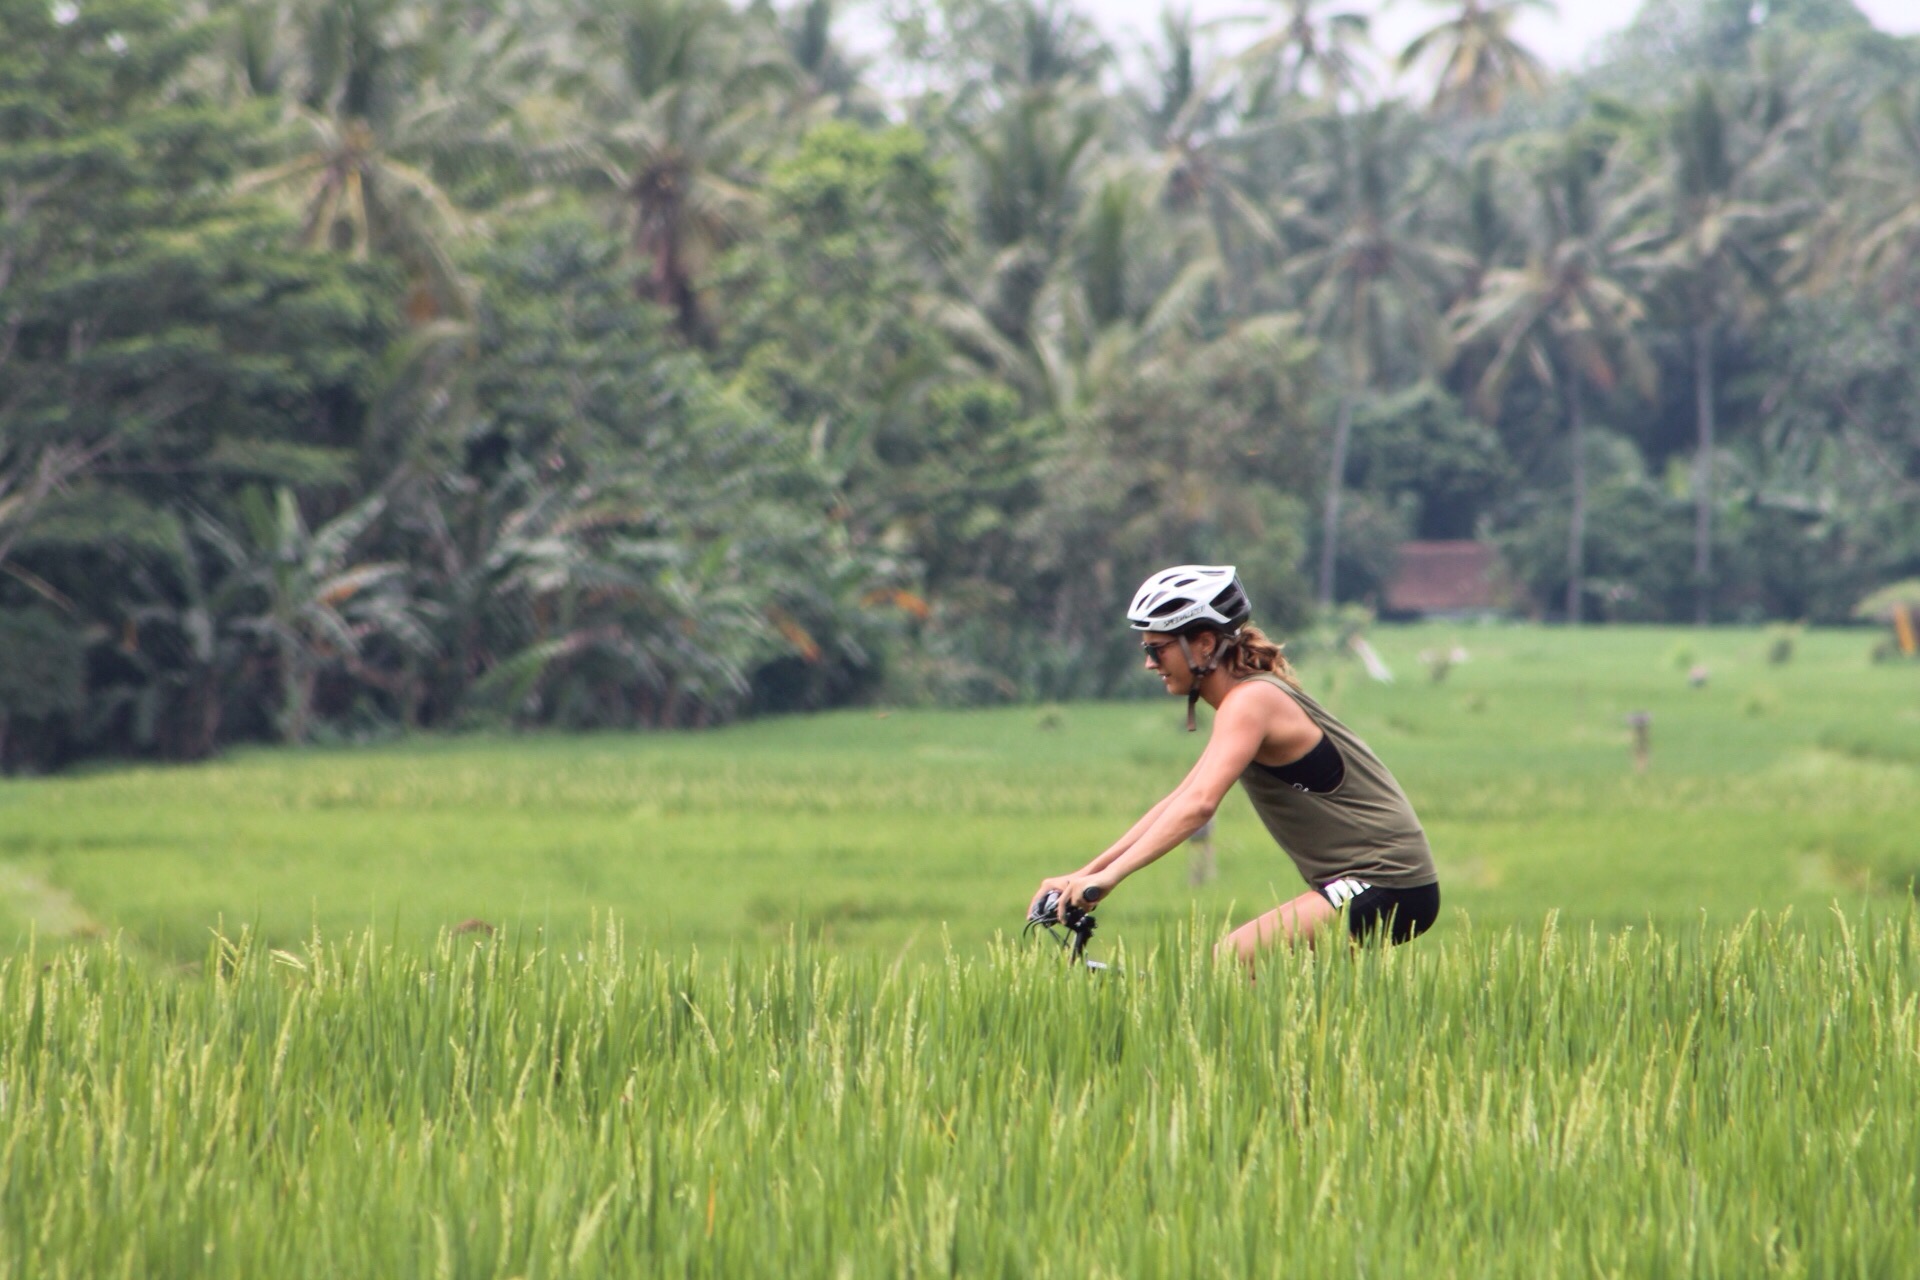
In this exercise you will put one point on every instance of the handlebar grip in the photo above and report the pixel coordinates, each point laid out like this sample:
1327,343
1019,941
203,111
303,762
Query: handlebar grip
1092,894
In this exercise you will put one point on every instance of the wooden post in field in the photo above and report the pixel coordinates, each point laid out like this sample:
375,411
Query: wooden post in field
1641,722
1200,865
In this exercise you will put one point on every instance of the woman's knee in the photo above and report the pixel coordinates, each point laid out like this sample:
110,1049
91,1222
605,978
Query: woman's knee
1239,945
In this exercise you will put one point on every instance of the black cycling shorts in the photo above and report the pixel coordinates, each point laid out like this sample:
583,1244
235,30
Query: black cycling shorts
1407,913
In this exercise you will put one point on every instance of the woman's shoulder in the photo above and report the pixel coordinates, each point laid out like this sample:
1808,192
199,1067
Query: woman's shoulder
1269,684
1266,694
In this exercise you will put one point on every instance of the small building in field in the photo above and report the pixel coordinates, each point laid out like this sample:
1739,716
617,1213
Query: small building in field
1459,578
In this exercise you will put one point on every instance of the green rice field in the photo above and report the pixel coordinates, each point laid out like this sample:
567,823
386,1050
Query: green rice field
1537,1102
753,1002
1772,786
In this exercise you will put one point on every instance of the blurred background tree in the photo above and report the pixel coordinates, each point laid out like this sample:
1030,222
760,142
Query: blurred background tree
375,364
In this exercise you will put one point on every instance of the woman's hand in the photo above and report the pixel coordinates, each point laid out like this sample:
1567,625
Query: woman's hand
1055,883
1084,891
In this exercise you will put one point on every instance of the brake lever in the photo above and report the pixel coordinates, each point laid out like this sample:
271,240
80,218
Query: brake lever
1078,922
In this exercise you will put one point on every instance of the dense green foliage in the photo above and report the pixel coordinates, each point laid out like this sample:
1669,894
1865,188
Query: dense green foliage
1539,1102
1774,786
368,363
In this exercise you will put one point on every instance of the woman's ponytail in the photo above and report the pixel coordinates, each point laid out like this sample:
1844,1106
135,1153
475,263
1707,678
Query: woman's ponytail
1251,652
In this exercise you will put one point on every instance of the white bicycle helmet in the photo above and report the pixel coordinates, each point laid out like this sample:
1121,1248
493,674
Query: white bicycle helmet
1188,593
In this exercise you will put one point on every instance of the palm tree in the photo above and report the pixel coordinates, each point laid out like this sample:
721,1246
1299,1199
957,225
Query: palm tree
1030,163
361,200
35,468
1483,222
829,77
261,54
968,58
1885,251
1051,47
1207,164
1127,293
1479,60
1371,275
1016,87
671,122
1728,196
1305,53
1176,449
378,90
303,594
1567,315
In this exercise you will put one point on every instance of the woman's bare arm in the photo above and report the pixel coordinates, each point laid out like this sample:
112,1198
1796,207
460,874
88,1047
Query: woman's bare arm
1140,827
1238,731
1121,845
1249,717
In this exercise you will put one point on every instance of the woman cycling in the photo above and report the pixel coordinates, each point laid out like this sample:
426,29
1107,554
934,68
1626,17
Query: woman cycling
1323,795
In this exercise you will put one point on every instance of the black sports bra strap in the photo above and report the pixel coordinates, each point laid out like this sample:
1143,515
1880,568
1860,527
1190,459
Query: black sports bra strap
1320,770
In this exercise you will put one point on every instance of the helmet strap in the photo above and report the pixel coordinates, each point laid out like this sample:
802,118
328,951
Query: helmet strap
1222,643
1193,681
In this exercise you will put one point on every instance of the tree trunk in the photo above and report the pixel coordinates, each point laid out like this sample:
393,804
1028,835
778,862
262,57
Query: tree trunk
1577,519
1703,472
206,728
191,729
657,237
296,693
1336,480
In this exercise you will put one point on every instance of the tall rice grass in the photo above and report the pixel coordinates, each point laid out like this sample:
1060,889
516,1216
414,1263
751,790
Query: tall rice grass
1737,1102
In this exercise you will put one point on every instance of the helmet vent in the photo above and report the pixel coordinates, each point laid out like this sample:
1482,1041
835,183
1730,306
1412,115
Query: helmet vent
1196,593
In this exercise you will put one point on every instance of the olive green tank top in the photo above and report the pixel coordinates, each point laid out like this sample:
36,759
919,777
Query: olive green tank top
1363,828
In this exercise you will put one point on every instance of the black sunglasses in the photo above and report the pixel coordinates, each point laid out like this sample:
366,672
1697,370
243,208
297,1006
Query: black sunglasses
1153,650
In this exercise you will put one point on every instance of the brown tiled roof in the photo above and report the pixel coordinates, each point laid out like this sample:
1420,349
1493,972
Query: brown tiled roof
1445,577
